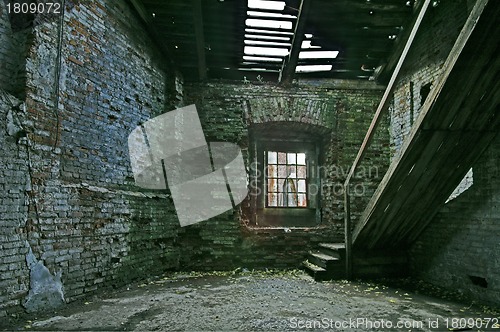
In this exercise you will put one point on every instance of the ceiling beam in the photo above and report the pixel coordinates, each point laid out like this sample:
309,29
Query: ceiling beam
141,10
200,39
290,63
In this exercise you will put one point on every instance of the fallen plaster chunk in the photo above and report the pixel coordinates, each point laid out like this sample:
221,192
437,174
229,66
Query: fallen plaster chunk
46,291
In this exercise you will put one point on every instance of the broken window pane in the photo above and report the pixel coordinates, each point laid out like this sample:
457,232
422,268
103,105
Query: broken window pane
292,158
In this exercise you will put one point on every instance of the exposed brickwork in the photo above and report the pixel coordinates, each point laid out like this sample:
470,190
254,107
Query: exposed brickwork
436,36
14,43
228,110
15,186
77,204
462,239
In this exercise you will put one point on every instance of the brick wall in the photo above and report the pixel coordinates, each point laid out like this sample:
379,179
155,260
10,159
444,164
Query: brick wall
67,187
76,203
14,43
433,42
228,110
462,239
14,190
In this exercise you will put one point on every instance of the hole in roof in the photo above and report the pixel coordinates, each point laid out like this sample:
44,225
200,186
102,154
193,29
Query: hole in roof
260,58
269,51
265,43
264,4
249,36
318,54
308,35
273,32
259,69
312,68
253,22
308,44
266,14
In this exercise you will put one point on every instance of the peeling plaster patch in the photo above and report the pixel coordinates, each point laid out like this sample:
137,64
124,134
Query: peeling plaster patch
46,291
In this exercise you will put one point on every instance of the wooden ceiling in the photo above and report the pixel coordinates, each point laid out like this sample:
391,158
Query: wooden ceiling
206,38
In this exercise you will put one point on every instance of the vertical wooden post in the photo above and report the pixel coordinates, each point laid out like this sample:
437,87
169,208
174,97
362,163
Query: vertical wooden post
347,233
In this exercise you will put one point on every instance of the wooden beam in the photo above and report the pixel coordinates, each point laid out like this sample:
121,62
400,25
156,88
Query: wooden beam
382,75
152,29
200,39
386,98
141,10
348,234
438,141
290,63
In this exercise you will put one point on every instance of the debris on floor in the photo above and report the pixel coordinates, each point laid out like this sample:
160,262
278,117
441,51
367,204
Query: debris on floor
264,300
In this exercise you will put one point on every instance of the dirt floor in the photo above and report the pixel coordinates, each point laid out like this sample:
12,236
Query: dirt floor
273,300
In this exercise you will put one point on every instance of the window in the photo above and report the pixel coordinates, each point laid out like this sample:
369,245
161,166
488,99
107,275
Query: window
286,178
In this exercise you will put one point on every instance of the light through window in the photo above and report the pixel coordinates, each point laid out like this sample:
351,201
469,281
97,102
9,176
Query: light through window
286,178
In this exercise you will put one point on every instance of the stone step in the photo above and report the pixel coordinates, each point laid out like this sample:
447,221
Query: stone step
323,260
333,249
318,273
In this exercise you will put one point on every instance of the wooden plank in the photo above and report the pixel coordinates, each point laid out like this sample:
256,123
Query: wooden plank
200,39
434,181
452,139
384,103
141,10
403,188
290,63
470,143
427,215
347,234
387,68
406,161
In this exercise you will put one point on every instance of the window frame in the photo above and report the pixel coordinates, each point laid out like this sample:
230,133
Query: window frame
297,178
264,216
